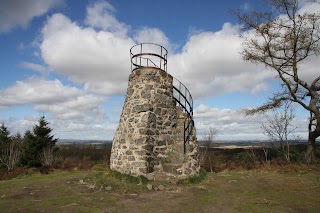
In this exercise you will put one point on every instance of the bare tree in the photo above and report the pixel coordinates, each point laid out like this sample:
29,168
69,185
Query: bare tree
282,40
278,127
208,138
10,153
265,152
252,153
48,156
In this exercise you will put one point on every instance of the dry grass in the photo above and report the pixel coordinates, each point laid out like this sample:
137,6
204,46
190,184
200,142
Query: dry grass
100,190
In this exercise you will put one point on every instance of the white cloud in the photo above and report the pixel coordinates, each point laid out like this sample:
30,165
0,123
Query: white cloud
64,102
309,6
67,108
35,67
83,132
19,13
63,129
98,59
101,15
210,64
36,91
107,88
234,125
153,35
309,69
18,125
85,109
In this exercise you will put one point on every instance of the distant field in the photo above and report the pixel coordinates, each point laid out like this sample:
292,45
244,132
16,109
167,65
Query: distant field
268,190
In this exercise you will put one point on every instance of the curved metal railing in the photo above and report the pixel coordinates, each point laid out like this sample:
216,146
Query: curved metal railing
183,98
148,55
154,55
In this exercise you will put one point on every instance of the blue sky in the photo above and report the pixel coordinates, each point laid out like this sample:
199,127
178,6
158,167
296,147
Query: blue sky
69,60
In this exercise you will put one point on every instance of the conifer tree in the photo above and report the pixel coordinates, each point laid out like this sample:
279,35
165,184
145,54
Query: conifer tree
36,142
4,134
4,138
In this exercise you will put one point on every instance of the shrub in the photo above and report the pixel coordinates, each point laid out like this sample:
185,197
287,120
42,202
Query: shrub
70,163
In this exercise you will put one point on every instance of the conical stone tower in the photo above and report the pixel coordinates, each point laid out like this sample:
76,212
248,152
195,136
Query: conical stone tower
156,137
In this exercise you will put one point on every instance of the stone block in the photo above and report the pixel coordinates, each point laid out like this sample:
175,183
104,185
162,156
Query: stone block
150,132
148,148
131,158
168,123
158,111
146,94
140,152
142,131
170,142
143,170
144,118
160,148
130,91
142,108
150,139
138,164
128,152
171,168
161,143
140,141
142,125
164,111
152,118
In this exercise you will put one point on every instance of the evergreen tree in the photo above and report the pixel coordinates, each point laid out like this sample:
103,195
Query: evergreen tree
4,137
4,134
4,140
36,142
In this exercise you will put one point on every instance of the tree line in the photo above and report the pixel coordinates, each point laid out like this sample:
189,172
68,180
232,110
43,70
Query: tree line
35,148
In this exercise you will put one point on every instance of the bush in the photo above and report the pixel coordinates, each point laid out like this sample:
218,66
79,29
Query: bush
18,172
242,157
70,163
100,167
213,162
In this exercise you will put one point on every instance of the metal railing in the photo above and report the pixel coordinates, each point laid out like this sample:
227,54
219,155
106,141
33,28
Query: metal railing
154,55
148,55
183,98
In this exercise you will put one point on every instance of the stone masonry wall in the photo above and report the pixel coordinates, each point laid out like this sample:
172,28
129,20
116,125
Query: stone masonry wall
149,138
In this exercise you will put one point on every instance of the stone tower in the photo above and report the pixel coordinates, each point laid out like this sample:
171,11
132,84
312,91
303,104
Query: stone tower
156,137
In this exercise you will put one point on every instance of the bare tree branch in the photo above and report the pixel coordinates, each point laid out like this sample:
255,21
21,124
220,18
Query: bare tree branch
281,40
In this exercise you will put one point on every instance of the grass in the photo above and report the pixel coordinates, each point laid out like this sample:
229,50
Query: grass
194,180
101,190
118,181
